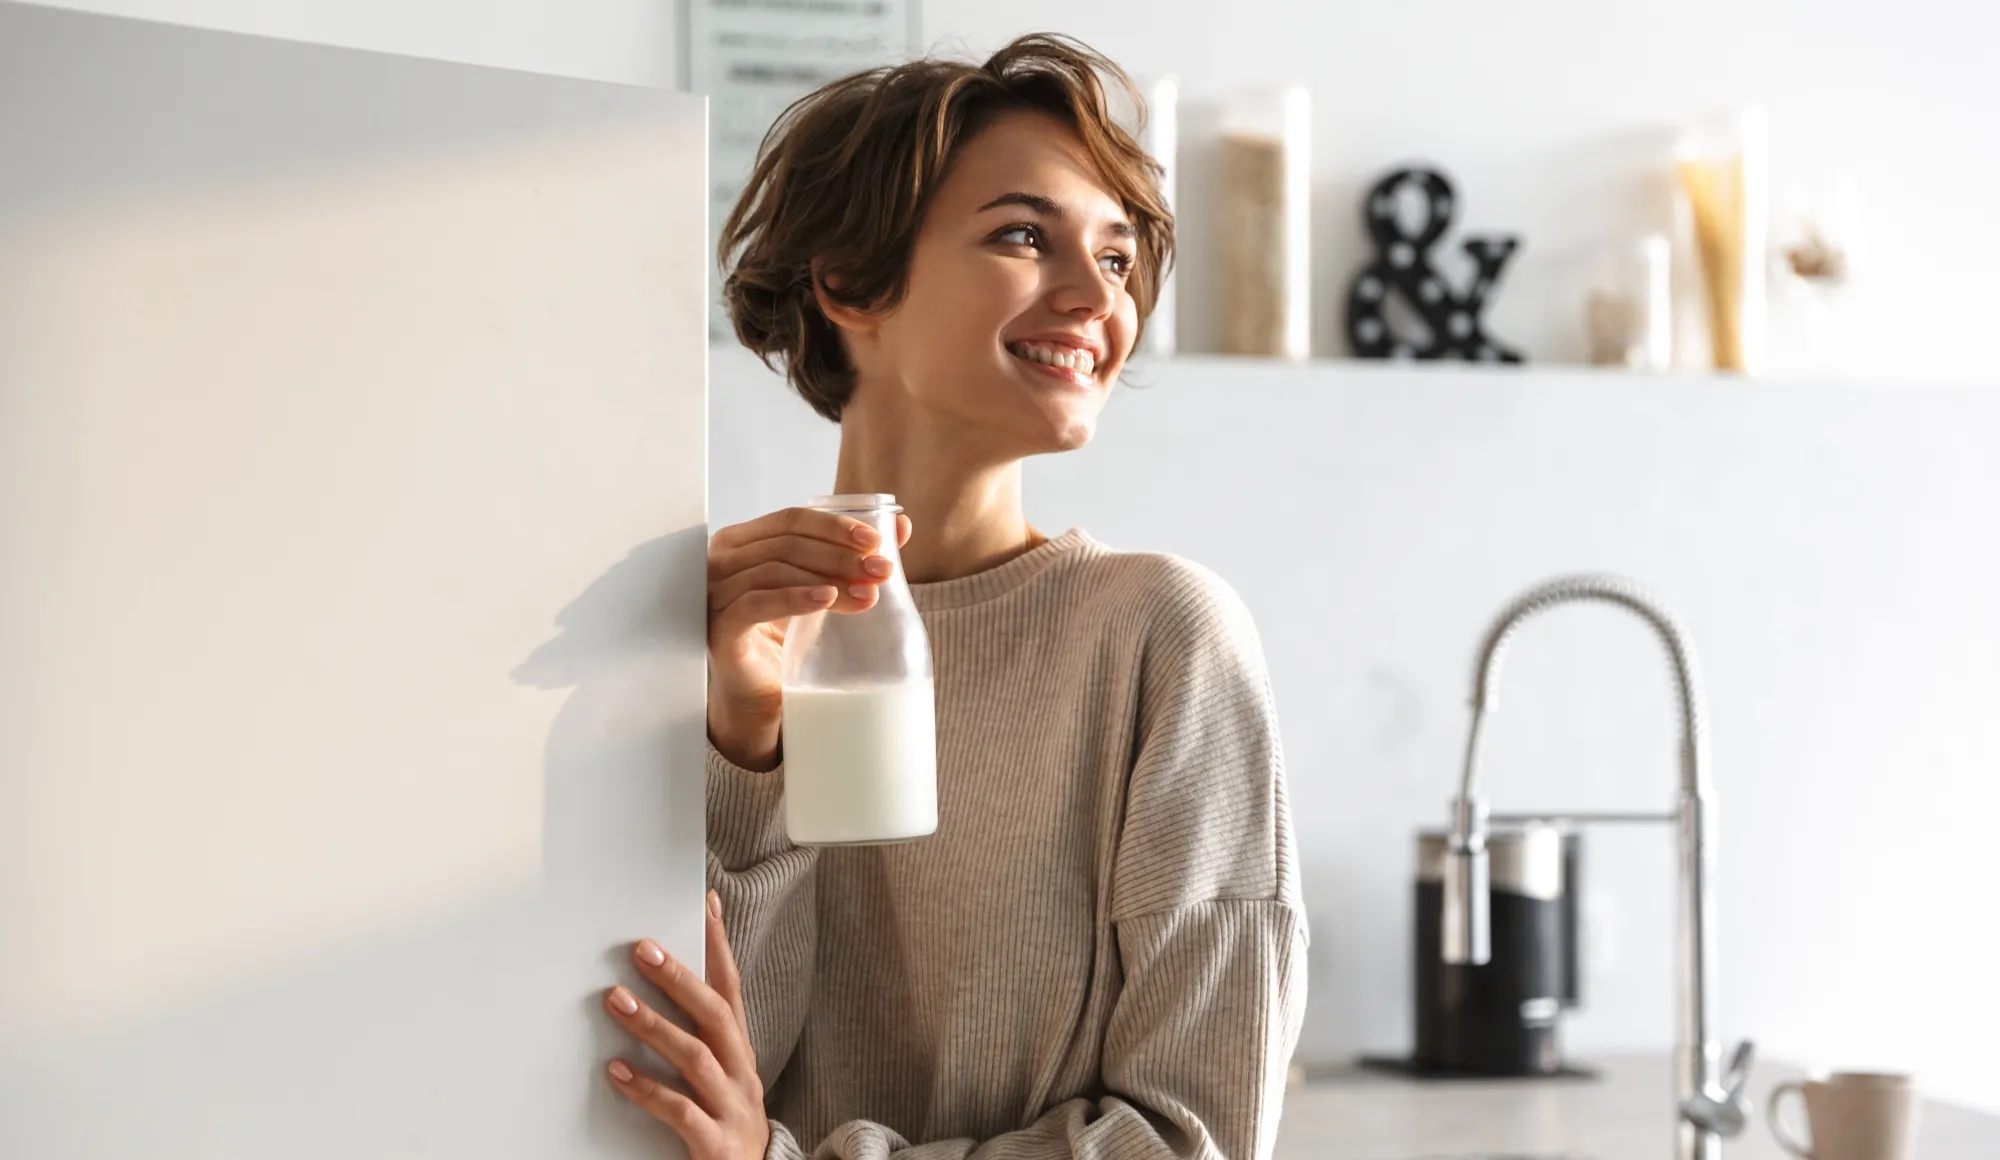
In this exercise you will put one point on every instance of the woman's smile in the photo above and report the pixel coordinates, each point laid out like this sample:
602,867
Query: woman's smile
1062,362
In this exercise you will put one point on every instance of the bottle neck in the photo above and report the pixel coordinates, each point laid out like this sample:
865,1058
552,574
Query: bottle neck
894,592
878,511
883,520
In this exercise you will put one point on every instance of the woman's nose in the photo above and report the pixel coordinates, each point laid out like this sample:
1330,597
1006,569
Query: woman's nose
1084,289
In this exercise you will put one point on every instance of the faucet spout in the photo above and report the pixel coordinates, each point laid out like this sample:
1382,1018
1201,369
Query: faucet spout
1466,904
1606,589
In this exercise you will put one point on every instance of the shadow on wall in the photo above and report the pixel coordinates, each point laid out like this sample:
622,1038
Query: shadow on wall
624,648
317,1053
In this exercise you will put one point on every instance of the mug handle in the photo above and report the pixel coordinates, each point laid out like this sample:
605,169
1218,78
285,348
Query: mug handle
1786,1139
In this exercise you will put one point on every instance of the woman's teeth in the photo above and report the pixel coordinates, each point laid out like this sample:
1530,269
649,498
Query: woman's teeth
1056,356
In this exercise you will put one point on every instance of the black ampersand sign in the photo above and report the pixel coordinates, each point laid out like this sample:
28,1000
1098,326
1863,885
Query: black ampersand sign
1402,266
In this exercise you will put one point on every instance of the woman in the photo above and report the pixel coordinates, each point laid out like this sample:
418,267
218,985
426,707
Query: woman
1101,951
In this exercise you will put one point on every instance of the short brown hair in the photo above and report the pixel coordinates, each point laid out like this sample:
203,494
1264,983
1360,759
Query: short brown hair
846,174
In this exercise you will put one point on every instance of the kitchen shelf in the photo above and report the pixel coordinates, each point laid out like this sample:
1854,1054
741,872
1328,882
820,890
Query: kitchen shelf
1192,368
1187,367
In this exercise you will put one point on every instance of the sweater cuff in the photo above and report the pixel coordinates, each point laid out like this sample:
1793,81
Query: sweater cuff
746,815
784,1146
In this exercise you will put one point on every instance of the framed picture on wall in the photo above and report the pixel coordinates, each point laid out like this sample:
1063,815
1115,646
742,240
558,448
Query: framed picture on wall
753,58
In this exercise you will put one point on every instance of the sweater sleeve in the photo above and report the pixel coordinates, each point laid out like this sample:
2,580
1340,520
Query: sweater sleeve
1211,932
767,888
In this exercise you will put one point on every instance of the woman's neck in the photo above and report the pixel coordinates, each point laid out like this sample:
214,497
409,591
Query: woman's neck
966,512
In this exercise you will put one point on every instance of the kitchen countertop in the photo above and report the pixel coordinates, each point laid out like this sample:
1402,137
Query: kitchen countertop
1346,1113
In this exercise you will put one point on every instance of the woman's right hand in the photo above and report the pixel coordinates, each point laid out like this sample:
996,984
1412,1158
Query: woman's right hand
760,575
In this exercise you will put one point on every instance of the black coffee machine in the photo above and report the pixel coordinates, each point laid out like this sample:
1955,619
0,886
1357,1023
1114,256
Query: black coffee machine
1503,1018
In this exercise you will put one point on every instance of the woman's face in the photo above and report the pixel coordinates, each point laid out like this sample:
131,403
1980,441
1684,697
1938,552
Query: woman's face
1017,318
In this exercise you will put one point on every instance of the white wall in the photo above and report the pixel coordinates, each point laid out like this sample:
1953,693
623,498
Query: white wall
1826,546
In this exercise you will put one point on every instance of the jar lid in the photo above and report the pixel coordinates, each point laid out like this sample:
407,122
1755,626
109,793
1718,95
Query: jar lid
857,502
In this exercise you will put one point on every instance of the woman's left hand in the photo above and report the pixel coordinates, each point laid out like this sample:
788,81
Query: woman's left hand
724,1119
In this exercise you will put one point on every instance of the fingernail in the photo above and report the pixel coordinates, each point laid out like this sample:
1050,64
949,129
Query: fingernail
865,536
861,591
876,566
715,904
620,1072
824,593
651,952
623,1000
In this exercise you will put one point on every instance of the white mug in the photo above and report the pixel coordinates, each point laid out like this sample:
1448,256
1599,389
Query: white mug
1851,1115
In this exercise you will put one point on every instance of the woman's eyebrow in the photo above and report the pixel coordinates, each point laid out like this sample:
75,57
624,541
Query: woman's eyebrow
1049,207
1034,201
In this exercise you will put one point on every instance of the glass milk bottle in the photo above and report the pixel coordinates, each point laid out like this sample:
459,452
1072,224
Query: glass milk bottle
860,734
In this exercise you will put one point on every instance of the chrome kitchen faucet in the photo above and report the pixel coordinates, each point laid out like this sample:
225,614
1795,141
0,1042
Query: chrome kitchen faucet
1709,1106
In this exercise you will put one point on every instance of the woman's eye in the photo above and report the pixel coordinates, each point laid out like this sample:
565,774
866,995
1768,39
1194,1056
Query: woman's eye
1022,235
1116,263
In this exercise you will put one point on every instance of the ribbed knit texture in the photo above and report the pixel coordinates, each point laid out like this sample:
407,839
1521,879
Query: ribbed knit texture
1101,952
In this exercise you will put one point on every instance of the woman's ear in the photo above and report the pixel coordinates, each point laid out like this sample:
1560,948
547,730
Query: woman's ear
852,320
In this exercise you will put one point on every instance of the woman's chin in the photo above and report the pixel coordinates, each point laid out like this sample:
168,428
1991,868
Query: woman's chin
1053,435
1041,421
1066,424
1075,435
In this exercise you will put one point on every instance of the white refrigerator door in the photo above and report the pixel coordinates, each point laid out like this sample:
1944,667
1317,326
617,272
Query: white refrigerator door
352,495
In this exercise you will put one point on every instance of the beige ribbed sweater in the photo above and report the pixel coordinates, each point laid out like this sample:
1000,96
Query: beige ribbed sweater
1101,952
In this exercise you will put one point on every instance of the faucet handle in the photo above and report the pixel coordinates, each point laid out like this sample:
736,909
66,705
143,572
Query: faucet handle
1737,1074
1725,1109
1466,936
